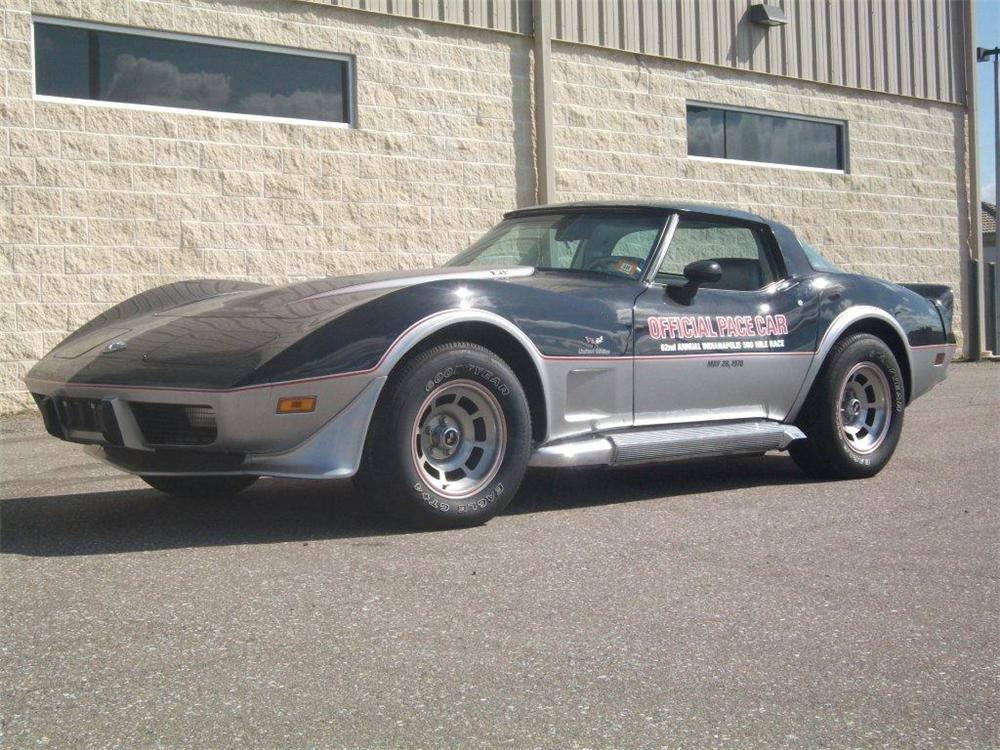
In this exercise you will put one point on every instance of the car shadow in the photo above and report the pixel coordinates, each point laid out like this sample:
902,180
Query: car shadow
99,523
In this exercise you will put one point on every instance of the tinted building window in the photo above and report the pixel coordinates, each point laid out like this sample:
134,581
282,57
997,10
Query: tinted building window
113,66
734,134
706,132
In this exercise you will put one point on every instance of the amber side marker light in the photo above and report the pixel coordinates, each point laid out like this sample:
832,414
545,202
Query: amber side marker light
296,404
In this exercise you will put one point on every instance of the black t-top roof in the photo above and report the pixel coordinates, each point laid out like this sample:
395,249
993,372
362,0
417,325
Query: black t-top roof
692,208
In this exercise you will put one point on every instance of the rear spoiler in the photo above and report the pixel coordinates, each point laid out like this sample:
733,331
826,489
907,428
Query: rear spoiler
942,298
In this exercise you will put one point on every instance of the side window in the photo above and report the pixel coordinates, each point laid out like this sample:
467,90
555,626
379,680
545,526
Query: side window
636,244
561,252
740,251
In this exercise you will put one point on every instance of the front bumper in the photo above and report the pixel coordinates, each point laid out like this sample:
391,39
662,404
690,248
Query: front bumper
249,436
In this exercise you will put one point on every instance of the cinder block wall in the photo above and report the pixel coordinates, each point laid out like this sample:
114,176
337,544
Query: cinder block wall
898,214
100,203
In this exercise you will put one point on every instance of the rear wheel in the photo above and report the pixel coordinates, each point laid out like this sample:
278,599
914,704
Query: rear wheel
201,487
449,442
854,414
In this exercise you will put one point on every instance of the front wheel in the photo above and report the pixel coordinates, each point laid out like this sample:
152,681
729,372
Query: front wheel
201,487
450,440
854,414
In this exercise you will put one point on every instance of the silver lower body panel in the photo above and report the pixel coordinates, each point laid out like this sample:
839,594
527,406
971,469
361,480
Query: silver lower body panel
664,444
331,452
925,369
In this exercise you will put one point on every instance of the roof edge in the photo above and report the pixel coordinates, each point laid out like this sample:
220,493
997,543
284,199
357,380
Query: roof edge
706,209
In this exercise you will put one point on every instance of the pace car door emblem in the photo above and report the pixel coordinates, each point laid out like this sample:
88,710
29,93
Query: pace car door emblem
116,346
593,346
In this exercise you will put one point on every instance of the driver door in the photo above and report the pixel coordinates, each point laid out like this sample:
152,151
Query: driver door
738,348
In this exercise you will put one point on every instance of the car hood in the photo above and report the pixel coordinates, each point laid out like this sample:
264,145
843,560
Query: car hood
220,341
251,336
319,299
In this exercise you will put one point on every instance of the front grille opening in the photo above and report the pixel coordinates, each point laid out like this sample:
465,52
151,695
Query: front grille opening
175,424
47,406
80,414
72,415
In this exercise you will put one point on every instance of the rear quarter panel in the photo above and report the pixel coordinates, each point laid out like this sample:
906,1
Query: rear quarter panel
848,299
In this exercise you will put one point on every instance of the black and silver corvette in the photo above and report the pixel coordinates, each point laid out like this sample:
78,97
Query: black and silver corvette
569,335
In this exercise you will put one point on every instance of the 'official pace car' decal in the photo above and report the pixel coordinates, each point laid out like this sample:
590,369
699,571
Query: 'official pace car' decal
696,333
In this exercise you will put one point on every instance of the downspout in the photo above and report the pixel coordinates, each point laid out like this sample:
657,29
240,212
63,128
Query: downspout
977,332
994,353
544,149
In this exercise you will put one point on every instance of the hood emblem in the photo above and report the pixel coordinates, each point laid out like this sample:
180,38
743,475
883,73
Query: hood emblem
116,346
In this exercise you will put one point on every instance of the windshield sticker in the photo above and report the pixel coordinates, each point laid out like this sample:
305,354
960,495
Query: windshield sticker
718,333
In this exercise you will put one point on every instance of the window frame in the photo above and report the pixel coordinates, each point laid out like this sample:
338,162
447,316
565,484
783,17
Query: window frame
842,124
349,60
769,242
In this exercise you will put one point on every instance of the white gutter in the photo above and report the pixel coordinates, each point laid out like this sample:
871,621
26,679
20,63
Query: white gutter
545,171
977,330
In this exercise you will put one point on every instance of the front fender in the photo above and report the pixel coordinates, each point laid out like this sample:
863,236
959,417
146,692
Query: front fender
431,324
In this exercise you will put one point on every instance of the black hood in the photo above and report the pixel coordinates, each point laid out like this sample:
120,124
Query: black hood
314,328
323,298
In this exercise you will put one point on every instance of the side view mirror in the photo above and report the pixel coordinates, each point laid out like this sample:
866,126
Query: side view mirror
702,272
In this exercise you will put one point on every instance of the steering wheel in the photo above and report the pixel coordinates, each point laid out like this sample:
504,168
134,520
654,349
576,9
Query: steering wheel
626,265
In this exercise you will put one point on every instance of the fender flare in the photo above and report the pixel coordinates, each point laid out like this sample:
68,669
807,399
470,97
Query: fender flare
438,321
834,331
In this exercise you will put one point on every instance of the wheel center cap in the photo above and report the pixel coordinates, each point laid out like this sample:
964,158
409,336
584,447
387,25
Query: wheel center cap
444,437
854,407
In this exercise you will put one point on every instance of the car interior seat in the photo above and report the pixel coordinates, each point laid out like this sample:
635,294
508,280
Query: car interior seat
738,274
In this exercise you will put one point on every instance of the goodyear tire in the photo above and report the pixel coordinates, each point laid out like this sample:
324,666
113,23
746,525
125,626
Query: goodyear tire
854,414
204,487
450,439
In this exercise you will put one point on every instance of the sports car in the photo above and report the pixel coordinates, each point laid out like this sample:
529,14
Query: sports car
583,334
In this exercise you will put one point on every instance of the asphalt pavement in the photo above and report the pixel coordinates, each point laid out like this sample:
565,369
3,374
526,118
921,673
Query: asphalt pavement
728,604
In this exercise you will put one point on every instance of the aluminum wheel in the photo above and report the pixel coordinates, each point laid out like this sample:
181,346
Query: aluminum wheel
865,407
459,439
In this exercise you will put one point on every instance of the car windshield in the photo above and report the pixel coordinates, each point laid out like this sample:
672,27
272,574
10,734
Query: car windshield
616,243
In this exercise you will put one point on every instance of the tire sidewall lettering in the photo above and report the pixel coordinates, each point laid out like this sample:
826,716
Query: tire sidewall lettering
469,505
441,376
430,498
899,395
895,377
485,500
483,374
